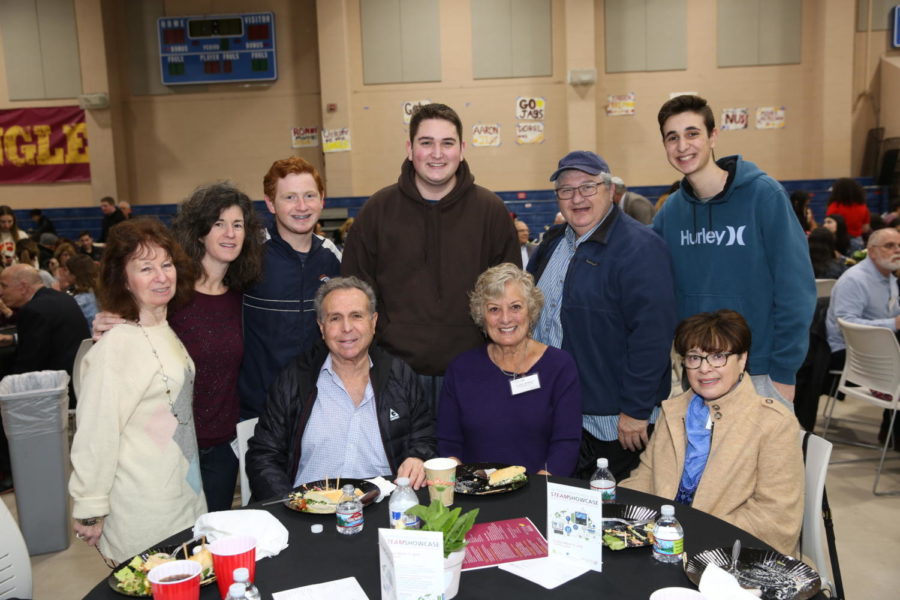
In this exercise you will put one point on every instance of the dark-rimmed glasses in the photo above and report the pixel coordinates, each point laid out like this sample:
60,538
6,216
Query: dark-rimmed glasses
716,359
585,189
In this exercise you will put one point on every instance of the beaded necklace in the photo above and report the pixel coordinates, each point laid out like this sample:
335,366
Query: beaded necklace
165,378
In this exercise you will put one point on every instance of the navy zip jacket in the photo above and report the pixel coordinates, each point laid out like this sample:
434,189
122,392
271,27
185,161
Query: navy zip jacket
279,318
618,314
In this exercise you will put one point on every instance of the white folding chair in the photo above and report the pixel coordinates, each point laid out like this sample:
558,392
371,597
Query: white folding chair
823,287
76,378
15,564
245,431
813,544
873,363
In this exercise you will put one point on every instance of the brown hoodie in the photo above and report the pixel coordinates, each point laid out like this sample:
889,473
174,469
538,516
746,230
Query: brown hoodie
423,258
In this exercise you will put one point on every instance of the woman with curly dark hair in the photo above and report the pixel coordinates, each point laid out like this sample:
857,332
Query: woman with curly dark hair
135,471
219,230
848,199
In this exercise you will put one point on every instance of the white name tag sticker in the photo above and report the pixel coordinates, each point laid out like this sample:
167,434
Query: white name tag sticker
520,385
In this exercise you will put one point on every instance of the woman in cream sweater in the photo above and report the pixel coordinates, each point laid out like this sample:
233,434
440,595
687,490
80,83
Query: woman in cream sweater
136,471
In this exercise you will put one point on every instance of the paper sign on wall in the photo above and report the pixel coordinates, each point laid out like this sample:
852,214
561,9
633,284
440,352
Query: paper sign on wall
336,140
304,137
486,134
409,106
528,132
531,109
620,105
770,117
575,524
734,118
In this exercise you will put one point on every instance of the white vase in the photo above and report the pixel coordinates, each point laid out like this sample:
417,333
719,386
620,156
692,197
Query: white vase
452,569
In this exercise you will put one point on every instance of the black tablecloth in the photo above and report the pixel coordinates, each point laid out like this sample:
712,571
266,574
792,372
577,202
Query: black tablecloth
631,573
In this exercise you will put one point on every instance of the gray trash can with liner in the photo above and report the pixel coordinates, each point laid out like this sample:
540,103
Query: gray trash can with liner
35,417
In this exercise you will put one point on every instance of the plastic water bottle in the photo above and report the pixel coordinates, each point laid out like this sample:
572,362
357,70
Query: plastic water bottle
604,482
236,592
349,512
242,576
668,536
402,500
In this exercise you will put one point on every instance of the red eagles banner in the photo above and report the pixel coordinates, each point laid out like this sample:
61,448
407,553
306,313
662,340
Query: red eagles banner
43,145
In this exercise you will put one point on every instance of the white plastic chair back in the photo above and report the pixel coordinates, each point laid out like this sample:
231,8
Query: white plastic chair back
76,366
873,363
245,431
823,287
15,564
813,543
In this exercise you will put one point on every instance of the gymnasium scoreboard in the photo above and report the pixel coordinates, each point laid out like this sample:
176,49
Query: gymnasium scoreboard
217,48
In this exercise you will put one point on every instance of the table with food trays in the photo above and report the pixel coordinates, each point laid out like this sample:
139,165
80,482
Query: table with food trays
629,573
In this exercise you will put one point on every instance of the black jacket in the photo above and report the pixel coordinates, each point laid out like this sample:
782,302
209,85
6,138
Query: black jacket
273,453
50,328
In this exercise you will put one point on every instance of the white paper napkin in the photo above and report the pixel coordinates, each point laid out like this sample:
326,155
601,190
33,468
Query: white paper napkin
271,536
384,486
718,584
548,572
346,589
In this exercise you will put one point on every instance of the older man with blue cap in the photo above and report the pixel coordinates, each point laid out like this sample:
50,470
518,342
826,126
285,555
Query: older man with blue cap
610,302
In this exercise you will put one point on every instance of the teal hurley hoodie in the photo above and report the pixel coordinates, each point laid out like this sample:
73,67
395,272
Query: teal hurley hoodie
744,249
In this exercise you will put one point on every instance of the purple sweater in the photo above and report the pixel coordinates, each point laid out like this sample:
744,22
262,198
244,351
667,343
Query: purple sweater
479,420
210,329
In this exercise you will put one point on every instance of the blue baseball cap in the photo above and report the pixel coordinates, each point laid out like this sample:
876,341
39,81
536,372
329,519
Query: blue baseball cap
581,160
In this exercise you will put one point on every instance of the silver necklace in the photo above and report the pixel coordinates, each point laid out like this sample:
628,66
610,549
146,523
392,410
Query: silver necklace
519,372
165,378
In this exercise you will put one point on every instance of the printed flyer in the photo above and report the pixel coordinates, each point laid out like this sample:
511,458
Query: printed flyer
497,542
412,564
575,524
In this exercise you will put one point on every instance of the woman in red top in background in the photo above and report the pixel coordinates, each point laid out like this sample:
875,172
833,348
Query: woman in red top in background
848,199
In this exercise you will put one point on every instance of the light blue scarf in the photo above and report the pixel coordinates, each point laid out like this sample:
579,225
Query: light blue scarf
697,451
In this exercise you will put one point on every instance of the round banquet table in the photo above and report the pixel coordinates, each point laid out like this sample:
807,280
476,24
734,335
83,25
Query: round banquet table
630,573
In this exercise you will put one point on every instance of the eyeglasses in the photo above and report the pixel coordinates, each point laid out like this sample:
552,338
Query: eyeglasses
585,189
716,359
889,246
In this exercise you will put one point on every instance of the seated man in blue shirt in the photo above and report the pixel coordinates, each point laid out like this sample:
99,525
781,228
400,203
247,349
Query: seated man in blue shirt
347,409
866,294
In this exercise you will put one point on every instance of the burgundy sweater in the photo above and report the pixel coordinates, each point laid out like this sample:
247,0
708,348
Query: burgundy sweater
210,329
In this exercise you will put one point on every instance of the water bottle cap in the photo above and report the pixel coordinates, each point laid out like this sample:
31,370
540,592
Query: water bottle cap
348,489
317,528
667,510
236,590
602,463
403,481
241,574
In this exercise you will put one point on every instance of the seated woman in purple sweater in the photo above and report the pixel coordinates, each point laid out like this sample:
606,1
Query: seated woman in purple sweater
514,400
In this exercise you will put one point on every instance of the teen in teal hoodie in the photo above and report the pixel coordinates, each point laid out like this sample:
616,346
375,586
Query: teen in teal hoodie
743,249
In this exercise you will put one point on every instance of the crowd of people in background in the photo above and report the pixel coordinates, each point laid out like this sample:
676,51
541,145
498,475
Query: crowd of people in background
435,323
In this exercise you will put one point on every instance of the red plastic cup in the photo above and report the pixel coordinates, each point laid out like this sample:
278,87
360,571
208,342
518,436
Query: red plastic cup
232,553
176,580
